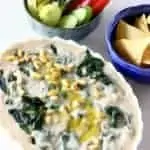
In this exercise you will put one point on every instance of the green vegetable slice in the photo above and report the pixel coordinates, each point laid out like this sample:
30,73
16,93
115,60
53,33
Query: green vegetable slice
83,14
68,21
50,14
89,14
80,14
32,6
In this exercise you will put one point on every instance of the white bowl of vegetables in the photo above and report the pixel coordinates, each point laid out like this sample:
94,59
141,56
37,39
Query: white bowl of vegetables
70,19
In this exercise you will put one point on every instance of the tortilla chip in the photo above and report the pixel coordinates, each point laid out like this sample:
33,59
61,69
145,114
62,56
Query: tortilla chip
148,19
146,57
142,24
126,31
132,50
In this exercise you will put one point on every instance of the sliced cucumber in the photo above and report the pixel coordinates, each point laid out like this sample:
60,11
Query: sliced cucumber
50,14
80,14
83,14
89,14
68,21
42,3
32,6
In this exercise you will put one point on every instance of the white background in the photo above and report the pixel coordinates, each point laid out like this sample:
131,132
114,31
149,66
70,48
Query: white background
14,27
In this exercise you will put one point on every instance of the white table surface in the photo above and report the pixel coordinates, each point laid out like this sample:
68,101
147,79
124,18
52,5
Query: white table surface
14,27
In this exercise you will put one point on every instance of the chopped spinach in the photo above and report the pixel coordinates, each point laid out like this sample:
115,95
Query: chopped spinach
55,106
65,137
9,102
93,67
31,116
3,85
63,94
52,86
33,141
1,73
116,116
33,101
26,67
22,118
54,49
68,141
65,59
63,141
12,77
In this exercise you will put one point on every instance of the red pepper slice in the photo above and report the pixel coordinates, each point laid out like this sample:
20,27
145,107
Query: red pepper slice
98,5
77,3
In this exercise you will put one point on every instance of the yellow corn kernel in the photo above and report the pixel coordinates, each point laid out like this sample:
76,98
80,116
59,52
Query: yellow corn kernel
66,84
56,83
20,60
53,69
75,96
43,57
48,119
74,124
68,107
36,75
92,132
11,58
55,75
82,82
54,98
36,64
26,57
48,65
75,105
20,53
42,53
53,93
83,128
59,66
47,77
75,86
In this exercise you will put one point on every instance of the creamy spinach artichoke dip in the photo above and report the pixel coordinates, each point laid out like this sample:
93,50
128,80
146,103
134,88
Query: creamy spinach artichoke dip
62,96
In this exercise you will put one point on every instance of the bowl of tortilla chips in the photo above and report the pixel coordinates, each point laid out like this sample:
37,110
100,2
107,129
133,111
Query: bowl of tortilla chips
128,42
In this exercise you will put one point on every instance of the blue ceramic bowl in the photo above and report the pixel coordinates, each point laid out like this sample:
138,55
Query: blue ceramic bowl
134,72
77,33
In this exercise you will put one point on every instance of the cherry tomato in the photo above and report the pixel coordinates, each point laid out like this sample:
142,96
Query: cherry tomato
77,3
98,5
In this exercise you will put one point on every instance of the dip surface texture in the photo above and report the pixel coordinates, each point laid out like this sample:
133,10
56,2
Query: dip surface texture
62,96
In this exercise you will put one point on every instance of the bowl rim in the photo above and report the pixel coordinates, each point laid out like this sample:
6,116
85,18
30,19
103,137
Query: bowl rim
108,34
58,28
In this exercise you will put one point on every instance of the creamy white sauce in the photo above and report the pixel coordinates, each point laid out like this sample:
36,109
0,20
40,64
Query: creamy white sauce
111,95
